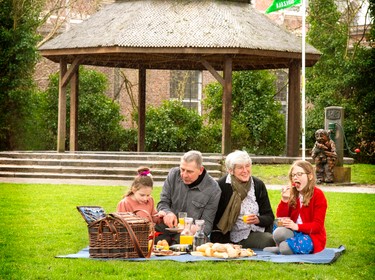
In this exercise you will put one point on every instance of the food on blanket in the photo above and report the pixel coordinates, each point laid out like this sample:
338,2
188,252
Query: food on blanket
232,253
246,253
162,245
219,250
209,252
218,247
220,255
164,253
197,254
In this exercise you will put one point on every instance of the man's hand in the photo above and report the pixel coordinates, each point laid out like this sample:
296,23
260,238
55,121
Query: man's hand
170,220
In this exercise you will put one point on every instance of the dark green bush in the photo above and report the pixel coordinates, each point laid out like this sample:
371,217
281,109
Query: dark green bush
172,128
257,124
99,118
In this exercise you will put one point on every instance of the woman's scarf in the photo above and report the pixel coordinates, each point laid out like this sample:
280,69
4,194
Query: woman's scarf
233,208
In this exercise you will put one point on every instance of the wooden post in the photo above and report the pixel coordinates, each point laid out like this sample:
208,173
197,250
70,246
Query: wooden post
226,145
61,126
141,109
74,100
294,110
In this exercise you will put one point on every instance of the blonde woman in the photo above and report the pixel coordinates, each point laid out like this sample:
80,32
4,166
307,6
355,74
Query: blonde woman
305,205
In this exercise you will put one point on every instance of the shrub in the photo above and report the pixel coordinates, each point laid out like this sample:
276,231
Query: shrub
257,124
172,128
99,118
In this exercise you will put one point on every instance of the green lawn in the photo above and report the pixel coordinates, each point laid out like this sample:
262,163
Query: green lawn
39,222
277,174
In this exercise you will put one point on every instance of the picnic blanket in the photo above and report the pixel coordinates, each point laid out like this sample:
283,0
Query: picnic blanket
327,256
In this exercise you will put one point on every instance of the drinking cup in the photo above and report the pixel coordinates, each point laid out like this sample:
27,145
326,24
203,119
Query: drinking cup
279,221
181,219
244,218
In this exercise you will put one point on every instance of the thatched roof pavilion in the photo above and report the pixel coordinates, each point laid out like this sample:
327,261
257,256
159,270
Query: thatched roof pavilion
188,35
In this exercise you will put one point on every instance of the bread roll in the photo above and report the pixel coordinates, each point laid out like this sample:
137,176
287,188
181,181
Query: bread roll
220,255
218,247
209,252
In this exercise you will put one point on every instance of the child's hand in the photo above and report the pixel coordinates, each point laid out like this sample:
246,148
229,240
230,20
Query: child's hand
288,223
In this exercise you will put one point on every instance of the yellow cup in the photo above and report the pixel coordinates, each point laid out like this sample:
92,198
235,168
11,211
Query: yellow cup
181,219
244,218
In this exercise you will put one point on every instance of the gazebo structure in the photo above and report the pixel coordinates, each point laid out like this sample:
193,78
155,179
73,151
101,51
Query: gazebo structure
179,35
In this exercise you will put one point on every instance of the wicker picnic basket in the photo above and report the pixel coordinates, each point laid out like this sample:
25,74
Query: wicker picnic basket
120,235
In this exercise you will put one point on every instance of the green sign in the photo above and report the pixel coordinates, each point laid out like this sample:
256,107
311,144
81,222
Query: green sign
282,4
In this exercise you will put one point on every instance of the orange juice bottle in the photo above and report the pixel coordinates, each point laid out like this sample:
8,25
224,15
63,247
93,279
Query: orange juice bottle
186,239
186,236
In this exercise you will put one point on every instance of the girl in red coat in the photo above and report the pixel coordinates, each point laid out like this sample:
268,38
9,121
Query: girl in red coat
305,205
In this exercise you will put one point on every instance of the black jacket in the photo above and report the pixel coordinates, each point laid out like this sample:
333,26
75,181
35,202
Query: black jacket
266,216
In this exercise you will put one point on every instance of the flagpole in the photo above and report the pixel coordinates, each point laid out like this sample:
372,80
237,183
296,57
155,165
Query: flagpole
303,77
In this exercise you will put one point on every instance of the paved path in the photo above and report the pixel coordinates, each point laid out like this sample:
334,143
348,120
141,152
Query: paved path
350,188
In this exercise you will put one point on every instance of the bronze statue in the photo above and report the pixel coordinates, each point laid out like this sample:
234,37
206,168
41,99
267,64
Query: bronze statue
325,156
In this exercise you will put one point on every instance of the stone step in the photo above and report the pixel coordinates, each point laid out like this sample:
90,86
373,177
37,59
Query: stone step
95,165
140,156
110,165
44,175
157,171
98,163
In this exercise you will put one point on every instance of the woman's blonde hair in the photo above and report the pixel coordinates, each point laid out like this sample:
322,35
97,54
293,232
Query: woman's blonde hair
143,179
308,191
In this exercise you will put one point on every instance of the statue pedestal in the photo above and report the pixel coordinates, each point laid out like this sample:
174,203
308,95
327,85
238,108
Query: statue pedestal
342,174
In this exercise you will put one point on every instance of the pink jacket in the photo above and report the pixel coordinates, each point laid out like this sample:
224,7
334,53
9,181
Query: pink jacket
127,204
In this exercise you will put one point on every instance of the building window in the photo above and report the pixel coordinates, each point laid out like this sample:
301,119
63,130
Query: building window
187,87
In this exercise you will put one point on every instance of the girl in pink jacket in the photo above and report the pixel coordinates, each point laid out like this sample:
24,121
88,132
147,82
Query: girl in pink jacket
139,197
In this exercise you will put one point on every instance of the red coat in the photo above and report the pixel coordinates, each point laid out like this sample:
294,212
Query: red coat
312,216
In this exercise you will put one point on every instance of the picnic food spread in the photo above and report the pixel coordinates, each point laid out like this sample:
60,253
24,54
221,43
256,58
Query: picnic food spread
225,251
208,249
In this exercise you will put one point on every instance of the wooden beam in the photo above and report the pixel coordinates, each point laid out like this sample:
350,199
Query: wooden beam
294,109
125,51
71,71
213,72
74,102
61,122
141,109
226,145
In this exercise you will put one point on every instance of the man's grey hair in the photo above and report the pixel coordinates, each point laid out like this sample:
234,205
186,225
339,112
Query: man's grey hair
195,156
237,157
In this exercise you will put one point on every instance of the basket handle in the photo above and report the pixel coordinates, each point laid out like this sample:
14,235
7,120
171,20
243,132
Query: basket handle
133,237
111,228
152,230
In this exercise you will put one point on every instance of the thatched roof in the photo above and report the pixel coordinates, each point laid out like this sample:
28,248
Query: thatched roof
164,34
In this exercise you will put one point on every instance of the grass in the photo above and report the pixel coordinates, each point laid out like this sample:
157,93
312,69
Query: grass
40,221
277,174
